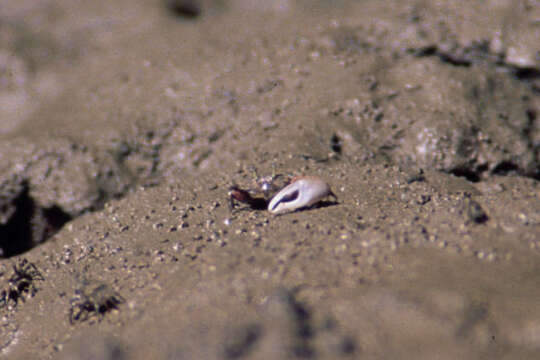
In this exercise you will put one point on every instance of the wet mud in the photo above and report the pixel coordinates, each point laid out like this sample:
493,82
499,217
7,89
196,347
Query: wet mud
125,126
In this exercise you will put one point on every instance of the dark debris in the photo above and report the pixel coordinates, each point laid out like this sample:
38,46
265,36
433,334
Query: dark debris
93,300
21,284
475,212
242,341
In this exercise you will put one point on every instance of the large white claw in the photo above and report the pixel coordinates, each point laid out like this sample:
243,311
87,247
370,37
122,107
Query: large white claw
302,192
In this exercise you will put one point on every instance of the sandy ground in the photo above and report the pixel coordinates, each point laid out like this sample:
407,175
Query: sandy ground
124,124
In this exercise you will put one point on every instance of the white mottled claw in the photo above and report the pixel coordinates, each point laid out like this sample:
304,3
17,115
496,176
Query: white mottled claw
302,192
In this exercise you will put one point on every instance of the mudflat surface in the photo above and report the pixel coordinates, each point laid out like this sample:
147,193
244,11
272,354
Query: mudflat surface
124,124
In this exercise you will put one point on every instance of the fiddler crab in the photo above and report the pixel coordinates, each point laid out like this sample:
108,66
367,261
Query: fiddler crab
297,193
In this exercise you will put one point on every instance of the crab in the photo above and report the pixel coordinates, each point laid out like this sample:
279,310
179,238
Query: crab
94,299
302,192
297,193
21,283
256,197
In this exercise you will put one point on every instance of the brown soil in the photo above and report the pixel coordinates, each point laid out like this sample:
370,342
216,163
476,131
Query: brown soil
125,123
